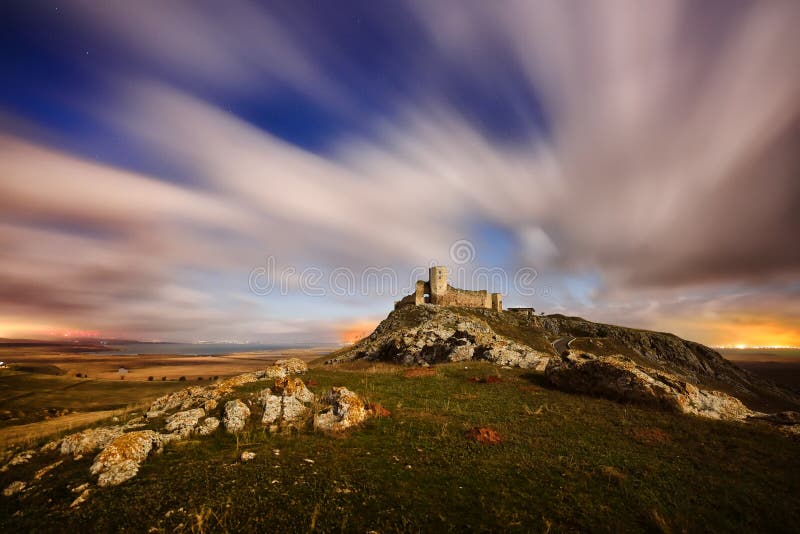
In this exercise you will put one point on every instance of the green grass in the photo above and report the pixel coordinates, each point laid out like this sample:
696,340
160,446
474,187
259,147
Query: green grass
567,463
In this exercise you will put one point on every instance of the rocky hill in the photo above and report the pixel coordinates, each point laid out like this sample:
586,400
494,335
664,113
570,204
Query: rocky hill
427,334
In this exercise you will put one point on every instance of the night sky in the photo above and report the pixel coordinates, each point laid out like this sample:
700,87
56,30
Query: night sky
641,158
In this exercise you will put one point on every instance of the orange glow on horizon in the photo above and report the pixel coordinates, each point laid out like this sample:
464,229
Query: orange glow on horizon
20,330
739,332
356,331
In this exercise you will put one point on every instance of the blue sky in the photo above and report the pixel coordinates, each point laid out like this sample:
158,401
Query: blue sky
640,159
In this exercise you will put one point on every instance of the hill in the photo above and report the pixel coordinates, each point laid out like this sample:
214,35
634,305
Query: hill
557,461
427,334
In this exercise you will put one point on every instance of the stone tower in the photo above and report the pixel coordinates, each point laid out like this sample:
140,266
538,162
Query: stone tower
437,277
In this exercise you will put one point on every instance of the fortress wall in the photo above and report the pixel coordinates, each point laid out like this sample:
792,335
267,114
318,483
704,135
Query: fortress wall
464,297
497,302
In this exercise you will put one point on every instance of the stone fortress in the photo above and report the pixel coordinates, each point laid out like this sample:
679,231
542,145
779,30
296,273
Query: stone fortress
437,291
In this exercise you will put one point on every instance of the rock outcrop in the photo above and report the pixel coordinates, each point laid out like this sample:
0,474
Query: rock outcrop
89,440
285,404
208,426
620,378
688,360
341,409
121,458
178,415
184,422
428,334
236,415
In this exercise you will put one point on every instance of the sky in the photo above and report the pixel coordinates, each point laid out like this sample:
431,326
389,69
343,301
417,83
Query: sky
282,171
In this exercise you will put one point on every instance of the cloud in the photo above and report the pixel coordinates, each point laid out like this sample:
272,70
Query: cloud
647,151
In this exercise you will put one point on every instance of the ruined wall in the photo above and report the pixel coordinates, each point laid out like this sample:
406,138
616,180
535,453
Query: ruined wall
419,294
464,297
497,302
437,282
443,294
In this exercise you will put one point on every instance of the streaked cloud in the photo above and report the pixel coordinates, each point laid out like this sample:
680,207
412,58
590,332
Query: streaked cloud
642,158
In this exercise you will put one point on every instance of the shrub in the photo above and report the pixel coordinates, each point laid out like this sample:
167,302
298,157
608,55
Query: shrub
199,378
149,378
78,375
182,379
163,378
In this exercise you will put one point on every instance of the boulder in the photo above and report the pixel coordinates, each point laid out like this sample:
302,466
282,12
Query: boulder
620,378
341,409
247,456
121,458
208,426
293,366
293,409
90,440
272,407
184,422
236,415
292,387
285,402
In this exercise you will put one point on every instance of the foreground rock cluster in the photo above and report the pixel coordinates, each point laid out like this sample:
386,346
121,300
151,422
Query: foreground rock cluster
428,334
620,378
199,411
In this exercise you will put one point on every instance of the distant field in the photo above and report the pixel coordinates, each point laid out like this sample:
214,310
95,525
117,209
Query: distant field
41,389
144,366
762,355
781,366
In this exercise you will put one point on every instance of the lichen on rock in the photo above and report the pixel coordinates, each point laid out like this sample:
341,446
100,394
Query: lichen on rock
90,440
341,409
235,417
121,458
620,378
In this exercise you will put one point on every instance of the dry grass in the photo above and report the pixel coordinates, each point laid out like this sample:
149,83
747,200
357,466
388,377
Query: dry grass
33,432
420,372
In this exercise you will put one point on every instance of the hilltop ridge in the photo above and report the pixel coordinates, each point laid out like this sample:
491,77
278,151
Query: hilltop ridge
428,334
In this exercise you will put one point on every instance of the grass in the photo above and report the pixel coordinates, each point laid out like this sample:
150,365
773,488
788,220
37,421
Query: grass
566,463
31,397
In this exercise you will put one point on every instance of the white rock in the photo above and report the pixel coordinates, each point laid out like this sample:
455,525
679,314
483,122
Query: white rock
186,420
208,426
236,415
90,440
121,458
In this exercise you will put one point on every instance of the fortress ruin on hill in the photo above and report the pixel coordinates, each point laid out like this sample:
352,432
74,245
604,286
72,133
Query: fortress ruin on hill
437,291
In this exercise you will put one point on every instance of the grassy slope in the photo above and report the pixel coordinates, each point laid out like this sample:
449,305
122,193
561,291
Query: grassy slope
568,462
